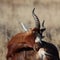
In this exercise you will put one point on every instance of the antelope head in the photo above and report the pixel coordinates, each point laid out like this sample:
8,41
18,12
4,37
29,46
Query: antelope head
37,30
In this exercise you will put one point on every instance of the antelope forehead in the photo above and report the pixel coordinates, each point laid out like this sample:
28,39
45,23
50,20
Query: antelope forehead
41,52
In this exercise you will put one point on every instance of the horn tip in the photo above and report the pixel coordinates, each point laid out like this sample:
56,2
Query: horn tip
33,9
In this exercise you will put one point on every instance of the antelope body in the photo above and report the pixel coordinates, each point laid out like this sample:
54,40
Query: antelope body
28,45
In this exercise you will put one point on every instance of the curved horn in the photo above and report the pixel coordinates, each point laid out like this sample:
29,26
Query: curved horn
43,27
43,23
24,27
37,22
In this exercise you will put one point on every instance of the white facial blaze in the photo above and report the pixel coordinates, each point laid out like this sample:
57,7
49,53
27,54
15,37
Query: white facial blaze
38,40
42,54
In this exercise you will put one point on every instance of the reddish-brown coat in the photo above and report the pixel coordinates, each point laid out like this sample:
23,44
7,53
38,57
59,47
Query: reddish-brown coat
25,39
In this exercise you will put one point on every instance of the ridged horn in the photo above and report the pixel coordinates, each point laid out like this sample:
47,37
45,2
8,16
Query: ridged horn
37,22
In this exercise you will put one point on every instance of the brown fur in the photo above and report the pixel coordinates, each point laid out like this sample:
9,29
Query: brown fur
21,40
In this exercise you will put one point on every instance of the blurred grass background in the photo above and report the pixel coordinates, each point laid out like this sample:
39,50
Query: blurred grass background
12,12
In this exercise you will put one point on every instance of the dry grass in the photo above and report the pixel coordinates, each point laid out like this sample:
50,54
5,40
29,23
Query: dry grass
14,11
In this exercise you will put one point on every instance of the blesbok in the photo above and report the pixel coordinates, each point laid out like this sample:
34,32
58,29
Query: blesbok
28,45
23,40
